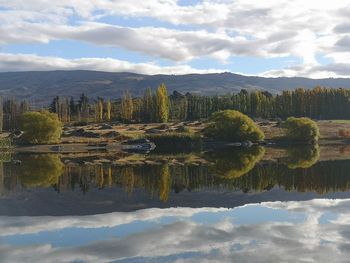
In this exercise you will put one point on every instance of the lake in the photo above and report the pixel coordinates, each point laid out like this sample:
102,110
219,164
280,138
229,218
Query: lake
232,205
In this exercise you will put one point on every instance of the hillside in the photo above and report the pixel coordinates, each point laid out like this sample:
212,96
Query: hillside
43,86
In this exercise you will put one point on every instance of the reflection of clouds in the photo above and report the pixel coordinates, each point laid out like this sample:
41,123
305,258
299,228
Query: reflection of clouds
28,225
307,241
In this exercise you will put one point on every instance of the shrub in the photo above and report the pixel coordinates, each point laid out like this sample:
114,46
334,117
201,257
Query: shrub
175,142
231,125
41,127
302,130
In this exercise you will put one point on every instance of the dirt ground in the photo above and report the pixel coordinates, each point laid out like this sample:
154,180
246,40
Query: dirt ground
329,130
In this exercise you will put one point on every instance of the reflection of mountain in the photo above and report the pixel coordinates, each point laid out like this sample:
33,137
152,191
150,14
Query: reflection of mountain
232,163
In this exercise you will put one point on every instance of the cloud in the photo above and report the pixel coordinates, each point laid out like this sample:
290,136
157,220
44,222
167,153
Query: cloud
316,71
27,225
25,62
165,43
181,33
310,240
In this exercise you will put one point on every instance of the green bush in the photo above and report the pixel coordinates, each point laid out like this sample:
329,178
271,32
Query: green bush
175,142
41,127
301,130
234,126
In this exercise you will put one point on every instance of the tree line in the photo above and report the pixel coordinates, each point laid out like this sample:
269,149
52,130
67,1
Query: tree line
158,106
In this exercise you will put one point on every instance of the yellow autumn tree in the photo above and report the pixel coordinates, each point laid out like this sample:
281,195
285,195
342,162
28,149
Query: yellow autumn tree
162,103
108,110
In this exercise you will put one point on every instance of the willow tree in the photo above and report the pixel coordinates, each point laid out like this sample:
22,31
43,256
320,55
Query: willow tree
127,107
162,103
41,127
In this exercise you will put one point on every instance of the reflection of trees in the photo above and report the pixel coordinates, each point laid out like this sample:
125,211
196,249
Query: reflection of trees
128,179
164,183
160,178
303,156
233,163
40,170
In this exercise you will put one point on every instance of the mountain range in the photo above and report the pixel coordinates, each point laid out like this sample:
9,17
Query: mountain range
42,86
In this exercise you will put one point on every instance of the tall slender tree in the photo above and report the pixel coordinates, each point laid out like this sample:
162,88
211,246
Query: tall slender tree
162,104
108,110
127,107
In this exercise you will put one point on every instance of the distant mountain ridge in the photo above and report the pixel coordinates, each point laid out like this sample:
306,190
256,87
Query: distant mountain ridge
44,85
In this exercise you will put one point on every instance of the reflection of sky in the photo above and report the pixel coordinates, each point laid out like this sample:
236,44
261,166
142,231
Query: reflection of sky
315,229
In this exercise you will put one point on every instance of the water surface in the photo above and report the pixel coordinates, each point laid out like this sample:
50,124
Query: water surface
231,205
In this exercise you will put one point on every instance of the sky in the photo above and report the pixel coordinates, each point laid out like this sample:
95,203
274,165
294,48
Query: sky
269,38
317,230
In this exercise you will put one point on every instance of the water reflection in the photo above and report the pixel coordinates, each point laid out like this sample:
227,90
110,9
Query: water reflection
40,170
303,156
317,230
232,163
243,170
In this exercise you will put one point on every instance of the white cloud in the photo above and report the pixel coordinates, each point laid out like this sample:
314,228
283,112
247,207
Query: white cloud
27,225
313,239
316,71
216,29
25,62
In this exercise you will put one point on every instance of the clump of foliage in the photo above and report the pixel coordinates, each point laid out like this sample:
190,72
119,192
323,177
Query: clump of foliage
41,127
303,156
176,142
234,126
40,170
234,163
302,130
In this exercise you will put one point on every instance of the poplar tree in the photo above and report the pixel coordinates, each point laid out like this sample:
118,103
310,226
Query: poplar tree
162,104
147,107
100,110
108,110
127,107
